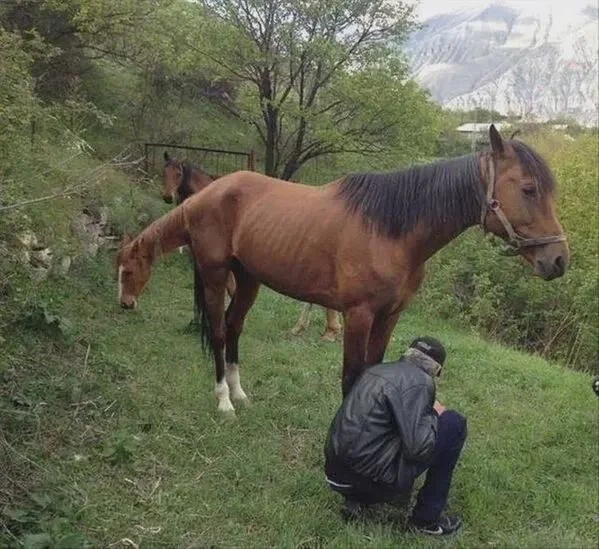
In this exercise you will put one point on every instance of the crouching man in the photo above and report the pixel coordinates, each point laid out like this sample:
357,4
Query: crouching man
389,430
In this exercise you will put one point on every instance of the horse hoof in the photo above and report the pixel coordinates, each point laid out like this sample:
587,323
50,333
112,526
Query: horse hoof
227,415
245,402
331,337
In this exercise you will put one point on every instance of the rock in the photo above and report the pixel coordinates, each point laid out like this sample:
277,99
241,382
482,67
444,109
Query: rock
64,266
89,232
41,258
26,239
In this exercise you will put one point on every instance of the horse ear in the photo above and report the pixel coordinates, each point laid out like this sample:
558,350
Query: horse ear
166,156
496,140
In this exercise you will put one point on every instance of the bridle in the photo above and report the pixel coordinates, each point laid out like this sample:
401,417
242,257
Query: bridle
493,205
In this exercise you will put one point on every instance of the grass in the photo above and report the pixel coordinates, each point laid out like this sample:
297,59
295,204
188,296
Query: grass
109,432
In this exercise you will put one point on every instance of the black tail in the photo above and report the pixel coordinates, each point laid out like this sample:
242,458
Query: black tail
205,328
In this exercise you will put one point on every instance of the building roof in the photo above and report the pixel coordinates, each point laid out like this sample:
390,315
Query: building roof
473,127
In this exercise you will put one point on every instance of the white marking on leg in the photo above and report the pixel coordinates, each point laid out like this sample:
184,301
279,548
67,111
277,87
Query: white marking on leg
232,376
221,390
120,281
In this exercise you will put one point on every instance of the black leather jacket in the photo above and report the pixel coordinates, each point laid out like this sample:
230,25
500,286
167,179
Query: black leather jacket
386,427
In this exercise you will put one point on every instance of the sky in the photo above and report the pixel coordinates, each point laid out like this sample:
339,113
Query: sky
428,8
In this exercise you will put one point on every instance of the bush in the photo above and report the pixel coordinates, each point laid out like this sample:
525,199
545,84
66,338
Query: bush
497,295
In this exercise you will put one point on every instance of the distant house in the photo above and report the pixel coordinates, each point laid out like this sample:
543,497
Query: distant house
478,128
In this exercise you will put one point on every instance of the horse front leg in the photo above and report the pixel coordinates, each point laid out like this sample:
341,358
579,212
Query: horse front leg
357,326
382,328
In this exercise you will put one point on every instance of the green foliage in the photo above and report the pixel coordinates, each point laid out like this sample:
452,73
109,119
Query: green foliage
18,104
39,318
320,78
497,295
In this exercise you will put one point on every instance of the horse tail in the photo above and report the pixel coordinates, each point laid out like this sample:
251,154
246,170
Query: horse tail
200,305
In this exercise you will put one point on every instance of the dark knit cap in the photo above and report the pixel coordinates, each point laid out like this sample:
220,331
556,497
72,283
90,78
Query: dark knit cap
431,347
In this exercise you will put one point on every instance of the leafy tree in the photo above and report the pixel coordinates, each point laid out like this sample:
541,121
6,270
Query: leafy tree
317,77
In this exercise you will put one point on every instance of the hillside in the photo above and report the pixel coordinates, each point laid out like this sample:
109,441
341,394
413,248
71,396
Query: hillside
109,433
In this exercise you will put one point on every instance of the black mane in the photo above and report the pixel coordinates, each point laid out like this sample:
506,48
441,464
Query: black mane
441,194
185,190
435,194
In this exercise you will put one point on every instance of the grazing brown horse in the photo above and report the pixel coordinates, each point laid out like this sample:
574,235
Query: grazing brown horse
179,181
357,245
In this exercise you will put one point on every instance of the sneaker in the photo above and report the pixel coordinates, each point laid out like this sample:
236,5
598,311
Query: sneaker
445,525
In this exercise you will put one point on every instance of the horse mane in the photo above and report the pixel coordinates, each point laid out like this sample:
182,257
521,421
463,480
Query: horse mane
436,194
185,189
150,239
534,166
394,203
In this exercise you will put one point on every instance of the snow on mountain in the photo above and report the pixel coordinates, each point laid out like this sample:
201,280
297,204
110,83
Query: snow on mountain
525,58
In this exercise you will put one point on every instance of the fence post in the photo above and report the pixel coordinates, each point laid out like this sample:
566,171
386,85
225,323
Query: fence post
252,161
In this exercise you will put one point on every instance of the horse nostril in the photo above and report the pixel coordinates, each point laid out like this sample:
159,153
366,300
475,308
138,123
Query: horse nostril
560,263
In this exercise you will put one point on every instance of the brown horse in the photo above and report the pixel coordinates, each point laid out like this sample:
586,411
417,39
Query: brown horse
179,181
332,329
357,245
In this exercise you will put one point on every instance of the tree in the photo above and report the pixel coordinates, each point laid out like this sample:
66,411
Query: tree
315,77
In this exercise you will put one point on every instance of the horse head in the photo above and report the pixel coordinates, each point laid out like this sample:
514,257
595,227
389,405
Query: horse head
133,269
520,205
172,175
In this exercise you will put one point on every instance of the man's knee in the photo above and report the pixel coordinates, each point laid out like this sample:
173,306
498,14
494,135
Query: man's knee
455,423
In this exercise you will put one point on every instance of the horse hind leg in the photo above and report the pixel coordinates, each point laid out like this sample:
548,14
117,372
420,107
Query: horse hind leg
245,296
303,321
333,327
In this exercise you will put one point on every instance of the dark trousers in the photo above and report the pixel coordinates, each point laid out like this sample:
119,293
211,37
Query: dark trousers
432,498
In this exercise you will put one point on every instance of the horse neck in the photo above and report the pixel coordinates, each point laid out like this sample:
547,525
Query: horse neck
166,234
199,180
429,240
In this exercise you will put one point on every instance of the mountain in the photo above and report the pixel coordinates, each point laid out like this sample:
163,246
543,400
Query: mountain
522,58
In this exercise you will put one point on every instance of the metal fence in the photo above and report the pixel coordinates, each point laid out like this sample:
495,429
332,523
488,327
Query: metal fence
216,162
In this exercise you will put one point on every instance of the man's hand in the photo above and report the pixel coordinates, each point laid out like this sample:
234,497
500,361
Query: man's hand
439,408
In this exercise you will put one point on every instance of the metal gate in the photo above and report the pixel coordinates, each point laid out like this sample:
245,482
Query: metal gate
216,162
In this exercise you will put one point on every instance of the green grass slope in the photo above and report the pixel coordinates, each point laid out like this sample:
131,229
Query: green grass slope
109,432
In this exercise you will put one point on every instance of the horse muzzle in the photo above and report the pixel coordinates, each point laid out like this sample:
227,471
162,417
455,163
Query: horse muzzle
167,198
550,265
128,304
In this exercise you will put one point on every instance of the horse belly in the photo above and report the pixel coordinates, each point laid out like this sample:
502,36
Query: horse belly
294,259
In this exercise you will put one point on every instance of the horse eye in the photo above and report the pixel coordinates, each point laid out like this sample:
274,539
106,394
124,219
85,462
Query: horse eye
529,191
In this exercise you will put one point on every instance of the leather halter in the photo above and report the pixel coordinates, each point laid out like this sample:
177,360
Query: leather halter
493,205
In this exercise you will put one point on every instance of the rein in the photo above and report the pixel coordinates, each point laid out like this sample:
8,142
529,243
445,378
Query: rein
493,205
